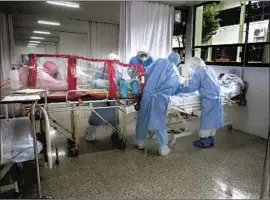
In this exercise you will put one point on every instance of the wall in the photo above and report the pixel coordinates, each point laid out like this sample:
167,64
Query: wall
254,118
22,49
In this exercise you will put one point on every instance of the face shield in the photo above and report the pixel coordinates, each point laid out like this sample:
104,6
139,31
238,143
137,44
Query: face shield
143,56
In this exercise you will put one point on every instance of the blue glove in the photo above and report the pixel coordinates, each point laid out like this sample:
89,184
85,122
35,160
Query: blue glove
177,91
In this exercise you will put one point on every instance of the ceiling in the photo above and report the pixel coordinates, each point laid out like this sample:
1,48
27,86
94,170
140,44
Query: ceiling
25,15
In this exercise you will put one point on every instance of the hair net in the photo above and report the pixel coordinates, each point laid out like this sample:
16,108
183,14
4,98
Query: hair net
196,62
50,68
113,56
175,58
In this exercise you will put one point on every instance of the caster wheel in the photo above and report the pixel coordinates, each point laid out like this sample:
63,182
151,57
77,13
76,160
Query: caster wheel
230,127
171,144
122,144
114,136
74,151
137,107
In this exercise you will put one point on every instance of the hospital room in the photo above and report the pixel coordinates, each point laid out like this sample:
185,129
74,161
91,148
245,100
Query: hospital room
134,99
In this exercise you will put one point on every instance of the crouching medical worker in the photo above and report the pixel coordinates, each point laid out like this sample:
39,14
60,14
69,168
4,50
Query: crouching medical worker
109,114
162,79
204,80
142,58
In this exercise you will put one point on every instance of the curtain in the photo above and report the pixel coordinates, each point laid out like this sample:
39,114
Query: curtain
6,45
74,44
103,38
145,24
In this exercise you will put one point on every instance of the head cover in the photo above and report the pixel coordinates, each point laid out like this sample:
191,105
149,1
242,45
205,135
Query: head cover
50,68
142,53
175,58
113,56
196,62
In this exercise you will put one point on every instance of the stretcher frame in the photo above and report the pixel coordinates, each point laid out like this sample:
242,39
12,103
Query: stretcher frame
75,105
178,112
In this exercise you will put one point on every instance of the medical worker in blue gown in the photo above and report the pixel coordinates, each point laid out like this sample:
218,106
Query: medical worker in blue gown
100,81
142,58
162,79
204,80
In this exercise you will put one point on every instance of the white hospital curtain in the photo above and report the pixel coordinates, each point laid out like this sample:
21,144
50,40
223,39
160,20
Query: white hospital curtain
6,45
145,24
76,44
103,39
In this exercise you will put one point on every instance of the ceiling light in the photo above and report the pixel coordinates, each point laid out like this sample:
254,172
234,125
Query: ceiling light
64,3
37,38
42,32
31,41
31,44
49,23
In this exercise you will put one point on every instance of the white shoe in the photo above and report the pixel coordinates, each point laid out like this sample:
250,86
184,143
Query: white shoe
140,144
164,151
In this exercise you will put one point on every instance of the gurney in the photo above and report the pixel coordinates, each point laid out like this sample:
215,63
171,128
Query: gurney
72,90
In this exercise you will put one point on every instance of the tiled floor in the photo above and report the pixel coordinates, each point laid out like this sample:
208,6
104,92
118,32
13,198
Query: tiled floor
232,170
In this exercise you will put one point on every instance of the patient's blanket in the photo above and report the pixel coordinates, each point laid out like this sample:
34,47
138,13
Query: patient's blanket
231,85
16,140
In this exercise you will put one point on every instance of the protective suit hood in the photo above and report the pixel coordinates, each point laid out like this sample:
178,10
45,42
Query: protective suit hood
196,63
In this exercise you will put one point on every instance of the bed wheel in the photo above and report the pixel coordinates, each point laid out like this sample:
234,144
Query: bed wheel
122,144
137,107
73,150
117,142
230,127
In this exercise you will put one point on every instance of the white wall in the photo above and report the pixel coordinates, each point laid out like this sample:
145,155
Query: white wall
23,49
229,34
254,118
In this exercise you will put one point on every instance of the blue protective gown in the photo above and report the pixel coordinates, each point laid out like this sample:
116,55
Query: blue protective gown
204,80
161,81
135,61
109,114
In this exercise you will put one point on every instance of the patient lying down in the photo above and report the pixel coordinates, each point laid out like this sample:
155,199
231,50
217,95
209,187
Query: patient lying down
45,78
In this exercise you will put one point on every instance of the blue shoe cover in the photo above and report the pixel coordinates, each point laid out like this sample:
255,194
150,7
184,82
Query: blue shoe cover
202,143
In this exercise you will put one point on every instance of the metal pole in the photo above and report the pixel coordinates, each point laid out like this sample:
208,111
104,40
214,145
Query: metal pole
265,185
33,121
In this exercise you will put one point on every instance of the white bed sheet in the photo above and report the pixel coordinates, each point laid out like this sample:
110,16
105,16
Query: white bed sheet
184,101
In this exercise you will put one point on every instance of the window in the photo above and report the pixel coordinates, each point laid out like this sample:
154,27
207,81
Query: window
179,35
233,33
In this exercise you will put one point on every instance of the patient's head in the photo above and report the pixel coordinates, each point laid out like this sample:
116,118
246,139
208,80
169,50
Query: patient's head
220,76
50,68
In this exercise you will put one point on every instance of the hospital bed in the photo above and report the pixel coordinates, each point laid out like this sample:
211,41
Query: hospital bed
185,109
75,75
